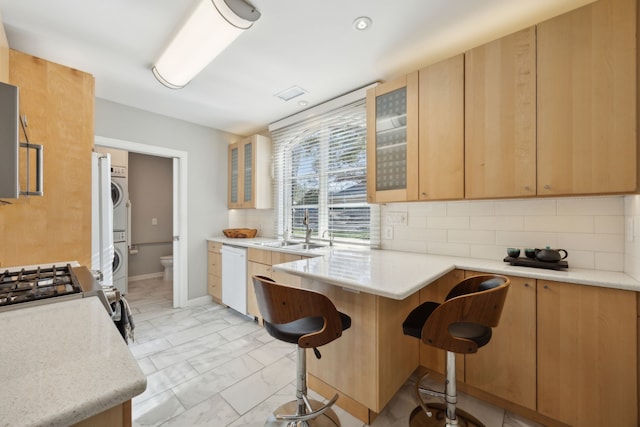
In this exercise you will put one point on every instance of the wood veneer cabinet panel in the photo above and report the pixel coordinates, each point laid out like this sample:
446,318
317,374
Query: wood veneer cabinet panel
350,363
500,117
506,366
372,359
262,256
431,357
118,416
255,269
587,360
214,270
59,104
441,130
587,94
4,54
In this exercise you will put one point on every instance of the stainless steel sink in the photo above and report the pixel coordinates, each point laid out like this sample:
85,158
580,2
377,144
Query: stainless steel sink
291,245
306,246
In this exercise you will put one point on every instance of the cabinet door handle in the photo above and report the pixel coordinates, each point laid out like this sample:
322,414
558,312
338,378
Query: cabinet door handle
546,286
547,187
526,285
527,188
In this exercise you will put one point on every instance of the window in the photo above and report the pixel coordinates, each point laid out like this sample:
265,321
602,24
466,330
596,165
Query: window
321,168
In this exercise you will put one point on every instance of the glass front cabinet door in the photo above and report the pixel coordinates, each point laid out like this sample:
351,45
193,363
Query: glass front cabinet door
249,173
234,176
392,141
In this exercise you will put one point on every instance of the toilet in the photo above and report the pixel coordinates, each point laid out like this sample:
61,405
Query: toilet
167,263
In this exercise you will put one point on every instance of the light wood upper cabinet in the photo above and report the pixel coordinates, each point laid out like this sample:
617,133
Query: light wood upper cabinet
249,183
587,92
441,130
506,366
500,117
587,355
392,141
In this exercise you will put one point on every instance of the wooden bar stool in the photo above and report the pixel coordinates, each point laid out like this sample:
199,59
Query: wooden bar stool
310,320
461,324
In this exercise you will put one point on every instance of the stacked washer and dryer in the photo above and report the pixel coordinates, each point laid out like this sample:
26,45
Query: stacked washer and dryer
121,221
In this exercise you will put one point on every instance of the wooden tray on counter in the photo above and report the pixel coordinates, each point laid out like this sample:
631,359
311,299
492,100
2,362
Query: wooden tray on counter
528,262
236,233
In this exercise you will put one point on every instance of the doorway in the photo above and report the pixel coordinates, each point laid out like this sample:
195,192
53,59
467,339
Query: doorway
179,238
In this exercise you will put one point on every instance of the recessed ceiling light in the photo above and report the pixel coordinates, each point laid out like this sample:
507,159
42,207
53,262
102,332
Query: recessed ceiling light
289,94
362,23
302,103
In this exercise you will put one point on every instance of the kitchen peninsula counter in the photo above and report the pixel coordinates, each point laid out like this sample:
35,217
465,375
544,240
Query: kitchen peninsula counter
63,363
397,275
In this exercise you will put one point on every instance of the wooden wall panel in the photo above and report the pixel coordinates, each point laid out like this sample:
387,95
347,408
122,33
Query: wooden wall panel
59,104
4,54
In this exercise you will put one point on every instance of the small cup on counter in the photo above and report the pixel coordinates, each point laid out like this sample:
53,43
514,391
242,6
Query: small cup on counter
530,253
513,252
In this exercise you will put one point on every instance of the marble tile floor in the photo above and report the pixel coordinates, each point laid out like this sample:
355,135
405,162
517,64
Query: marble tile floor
207,365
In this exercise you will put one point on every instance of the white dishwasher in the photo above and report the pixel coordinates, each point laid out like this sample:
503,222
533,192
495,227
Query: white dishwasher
234,277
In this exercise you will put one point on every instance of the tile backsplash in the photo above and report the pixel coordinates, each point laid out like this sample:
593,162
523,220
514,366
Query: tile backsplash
261,219
591,229
601,233
632,236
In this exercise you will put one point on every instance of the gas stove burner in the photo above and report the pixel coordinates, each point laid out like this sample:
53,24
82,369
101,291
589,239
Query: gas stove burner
36,284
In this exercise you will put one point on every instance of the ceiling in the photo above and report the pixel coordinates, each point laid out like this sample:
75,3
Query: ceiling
305,43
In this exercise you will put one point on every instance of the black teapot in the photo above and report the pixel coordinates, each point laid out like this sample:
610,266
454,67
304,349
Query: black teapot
550,255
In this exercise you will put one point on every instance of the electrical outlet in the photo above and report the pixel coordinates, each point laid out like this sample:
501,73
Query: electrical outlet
154,221
387,232
396,218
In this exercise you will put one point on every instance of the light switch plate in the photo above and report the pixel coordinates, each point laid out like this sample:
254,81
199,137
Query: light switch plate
387,232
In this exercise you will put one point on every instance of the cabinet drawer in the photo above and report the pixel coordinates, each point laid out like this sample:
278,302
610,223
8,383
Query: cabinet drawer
214,247
215,264
214,286
259,255
280,258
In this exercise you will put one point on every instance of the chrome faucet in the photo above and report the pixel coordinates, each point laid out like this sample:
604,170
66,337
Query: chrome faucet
330,236
305,221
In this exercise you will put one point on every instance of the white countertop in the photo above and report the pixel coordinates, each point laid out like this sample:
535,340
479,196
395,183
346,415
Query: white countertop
63,362
397,275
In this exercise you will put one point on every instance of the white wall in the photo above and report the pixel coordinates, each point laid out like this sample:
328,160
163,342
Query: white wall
207,186
591,229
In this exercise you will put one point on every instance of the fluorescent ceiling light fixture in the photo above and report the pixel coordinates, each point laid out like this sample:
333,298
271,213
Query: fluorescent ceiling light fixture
289,94
212,26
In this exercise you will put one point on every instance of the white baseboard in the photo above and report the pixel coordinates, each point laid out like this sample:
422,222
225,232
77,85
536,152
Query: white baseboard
145,276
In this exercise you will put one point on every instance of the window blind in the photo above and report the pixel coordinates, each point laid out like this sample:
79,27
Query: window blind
320,166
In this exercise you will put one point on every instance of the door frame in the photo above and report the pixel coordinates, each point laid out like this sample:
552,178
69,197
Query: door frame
180,236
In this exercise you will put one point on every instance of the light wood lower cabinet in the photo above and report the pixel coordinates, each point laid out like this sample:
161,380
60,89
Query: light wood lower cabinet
118,416
214,271
563,354
506,366
587,360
